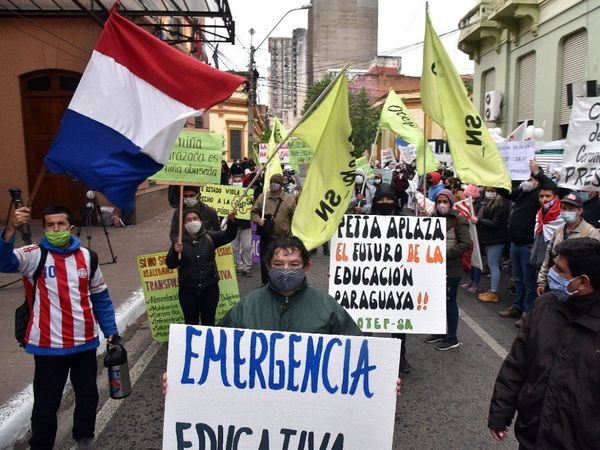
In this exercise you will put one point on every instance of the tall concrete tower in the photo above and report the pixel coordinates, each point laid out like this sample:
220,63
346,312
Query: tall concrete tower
341,31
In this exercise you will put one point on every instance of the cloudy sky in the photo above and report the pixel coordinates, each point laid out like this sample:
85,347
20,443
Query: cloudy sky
401,23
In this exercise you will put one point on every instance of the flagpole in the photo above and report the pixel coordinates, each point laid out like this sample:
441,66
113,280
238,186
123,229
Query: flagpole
179,238
284,140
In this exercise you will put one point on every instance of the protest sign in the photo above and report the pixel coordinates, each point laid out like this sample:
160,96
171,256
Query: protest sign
222,197
465,208
252,389
284,154
255,245
387,156
386,175
194,159
160,287
389,272
581,163
516,156
363,164
299,152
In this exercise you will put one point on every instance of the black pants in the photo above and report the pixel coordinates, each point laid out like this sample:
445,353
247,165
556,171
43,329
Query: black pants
264,273
200,306
48,384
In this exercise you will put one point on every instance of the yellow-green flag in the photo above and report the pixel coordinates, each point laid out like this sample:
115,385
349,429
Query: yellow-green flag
396,117
330,179
277,135
444,98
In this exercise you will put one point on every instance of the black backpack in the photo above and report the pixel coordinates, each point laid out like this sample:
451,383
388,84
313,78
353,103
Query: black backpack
23,313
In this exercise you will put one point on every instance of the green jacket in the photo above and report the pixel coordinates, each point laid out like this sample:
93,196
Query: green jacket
307,311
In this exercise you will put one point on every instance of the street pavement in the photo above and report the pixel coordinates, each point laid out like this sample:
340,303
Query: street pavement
444,401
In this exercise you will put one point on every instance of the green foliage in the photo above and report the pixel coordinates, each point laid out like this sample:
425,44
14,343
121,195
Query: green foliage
363,117
264,138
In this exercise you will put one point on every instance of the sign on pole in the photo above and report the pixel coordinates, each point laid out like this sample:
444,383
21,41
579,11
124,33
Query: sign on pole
252,389
161,290
263,153
194,159
389,272
387,156
581,164
516,156
221,197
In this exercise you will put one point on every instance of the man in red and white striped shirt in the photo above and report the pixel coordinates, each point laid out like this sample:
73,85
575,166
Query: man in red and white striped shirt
67,303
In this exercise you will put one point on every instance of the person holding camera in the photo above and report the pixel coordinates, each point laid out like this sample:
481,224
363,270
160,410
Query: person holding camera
67,299
276,220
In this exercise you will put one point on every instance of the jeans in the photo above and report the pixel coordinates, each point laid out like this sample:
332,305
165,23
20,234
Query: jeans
242,249
48,383
475,274
494,255
524,275
452,305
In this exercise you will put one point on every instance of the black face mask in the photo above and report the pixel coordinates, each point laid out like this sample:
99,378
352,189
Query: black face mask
385,209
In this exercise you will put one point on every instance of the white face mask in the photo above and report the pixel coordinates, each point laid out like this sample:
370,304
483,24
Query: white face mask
490,195
190,202
193,227
237,183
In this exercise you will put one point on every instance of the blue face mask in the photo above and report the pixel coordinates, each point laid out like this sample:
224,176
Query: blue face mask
585,196
569,216
559,285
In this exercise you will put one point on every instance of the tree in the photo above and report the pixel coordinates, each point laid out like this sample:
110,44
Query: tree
363,117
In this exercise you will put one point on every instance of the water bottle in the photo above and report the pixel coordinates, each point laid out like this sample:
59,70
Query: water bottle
115,361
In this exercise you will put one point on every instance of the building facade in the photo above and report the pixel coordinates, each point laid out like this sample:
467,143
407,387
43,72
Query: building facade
532,56
340,31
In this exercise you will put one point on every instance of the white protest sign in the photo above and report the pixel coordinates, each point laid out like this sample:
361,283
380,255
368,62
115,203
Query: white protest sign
516,155
387,155
284,153
389,272
250,389
581,163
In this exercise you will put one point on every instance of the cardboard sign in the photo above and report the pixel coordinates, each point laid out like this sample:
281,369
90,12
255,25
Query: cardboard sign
161,290
263,154
194,159
299,152
389,272
251,389
581,164
516,156
222,197
387,156
386,175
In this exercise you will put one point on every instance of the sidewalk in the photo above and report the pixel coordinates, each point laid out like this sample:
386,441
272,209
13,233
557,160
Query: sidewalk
122,278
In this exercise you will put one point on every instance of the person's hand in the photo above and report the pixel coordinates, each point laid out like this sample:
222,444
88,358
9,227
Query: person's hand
498,435
540,290
179,247
261,222
474,219
164,383
114,339
22,216
534,166
231,216
360,197
398,385
357,210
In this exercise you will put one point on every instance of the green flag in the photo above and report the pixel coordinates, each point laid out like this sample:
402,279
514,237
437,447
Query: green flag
277,135
330,178
444,97
396,117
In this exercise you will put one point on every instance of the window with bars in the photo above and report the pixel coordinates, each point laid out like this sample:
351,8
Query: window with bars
235,144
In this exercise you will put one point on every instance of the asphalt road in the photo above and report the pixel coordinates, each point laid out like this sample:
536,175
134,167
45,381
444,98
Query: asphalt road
444,400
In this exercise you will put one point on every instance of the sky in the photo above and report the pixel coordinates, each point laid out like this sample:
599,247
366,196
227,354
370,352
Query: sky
401,23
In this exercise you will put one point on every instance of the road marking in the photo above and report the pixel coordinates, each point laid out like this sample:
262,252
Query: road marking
112,406
485,337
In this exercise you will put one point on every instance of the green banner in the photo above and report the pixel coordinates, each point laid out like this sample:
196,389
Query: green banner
222,197
299,152
160,287
362,163
195,158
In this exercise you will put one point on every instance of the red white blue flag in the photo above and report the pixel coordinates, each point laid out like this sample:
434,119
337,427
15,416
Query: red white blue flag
131,103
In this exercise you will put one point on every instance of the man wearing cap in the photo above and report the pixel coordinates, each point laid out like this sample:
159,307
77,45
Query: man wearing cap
277,219
571,208
191,202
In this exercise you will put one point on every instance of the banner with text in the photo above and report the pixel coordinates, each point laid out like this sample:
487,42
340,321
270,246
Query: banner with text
277,390
222,197
284,154
389,272
160,287
581,163
387,156
194,159
516,156
299,152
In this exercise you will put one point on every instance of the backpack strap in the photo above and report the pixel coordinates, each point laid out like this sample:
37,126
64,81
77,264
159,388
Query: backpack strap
93,264
38,270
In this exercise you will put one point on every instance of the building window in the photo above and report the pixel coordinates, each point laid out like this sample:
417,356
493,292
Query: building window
199,122
526,88
235,144
574,68
488,84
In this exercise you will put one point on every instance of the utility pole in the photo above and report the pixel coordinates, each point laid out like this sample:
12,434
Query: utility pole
251,98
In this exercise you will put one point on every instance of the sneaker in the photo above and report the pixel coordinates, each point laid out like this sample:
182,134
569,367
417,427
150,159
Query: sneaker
435,338
519,323
474,289
467,285
247,273
85,444
510,313
405,367
489,297
447,344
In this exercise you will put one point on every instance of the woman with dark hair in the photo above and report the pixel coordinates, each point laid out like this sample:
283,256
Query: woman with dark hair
492,230
195,260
